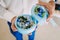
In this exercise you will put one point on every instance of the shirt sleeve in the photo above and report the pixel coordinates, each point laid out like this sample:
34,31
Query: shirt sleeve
5,14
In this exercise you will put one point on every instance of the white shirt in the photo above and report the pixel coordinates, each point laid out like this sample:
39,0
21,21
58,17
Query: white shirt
16,7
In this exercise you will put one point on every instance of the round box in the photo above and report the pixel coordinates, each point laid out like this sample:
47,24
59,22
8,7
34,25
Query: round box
40,13
21,28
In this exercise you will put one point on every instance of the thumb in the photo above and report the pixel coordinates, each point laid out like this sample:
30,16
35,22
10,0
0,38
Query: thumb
13,25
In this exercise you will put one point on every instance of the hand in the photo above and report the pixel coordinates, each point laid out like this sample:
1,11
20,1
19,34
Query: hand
50,7
13,25
14,31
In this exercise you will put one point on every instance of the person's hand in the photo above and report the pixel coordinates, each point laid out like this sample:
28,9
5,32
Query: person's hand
13,25
50,7
13,30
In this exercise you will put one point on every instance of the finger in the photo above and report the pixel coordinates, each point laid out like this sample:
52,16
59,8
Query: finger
13,19
13,28
13,24
50,12
49,17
